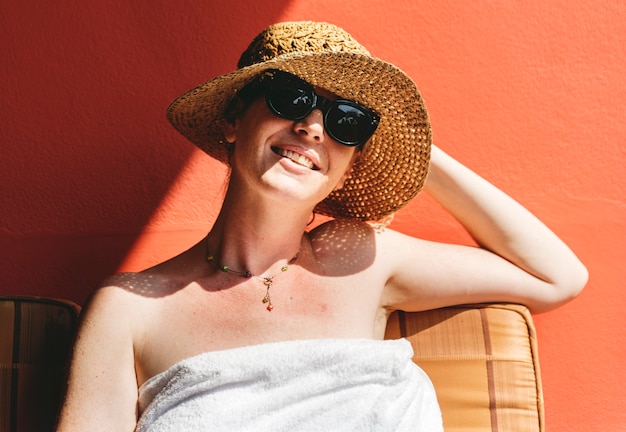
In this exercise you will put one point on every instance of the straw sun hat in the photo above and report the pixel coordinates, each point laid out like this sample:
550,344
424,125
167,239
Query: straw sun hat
393,165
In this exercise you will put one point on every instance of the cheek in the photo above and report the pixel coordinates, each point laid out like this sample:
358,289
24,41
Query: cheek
242,120
347,157
257,123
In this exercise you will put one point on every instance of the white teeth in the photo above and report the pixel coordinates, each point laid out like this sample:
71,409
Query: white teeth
297,158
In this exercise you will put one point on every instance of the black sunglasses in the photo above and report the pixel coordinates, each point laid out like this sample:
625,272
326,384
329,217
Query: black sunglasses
292,98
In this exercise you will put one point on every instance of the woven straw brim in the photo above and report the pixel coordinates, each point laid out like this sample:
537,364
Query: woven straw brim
392,167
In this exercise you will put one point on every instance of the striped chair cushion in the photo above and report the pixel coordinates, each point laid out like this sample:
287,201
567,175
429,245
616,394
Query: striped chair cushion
483,362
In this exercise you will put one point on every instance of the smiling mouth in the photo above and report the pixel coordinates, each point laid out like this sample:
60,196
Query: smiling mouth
295,157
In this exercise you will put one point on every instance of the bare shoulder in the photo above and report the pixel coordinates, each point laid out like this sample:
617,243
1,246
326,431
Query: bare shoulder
119,312
115,298
150,283
341,240
107,301
114,311
102,390
343,244
124,302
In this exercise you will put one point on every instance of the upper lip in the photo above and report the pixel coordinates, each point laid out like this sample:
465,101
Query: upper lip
305,157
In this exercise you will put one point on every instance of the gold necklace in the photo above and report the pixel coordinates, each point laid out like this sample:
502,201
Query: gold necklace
267,280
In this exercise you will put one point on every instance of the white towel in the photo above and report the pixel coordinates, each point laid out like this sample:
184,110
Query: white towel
304,385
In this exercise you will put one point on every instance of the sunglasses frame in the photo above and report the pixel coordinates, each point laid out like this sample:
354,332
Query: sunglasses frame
273,77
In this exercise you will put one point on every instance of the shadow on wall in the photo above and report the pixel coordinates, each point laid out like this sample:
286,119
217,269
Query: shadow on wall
86,155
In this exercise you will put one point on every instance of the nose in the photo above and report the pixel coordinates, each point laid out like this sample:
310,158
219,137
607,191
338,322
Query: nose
311,127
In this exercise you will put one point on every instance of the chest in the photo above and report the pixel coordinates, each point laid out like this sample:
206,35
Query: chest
230,312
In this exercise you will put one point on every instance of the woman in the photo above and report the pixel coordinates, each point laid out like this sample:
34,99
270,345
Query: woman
265,325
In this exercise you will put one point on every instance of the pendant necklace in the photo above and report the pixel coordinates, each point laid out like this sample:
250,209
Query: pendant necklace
267,280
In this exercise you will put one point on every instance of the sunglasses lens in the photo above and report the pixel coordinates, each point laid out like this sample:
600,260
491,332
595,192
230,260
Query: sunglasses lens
290,99
349,124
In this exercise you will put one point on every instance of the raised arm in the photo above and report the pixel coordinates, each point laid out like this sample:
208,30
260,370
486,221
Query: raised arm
102,388
519,260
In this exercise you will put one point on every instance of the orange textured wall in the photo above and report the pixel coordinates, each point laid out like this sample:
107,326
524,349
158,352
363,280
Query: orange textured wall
528,93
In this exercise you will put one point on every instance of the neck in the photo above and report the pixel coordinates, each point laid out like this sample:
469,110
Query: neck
257,235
